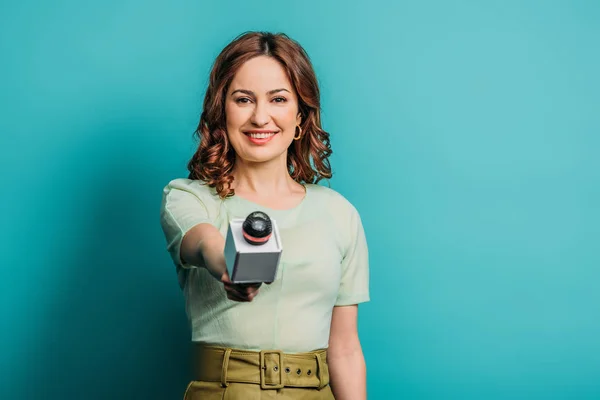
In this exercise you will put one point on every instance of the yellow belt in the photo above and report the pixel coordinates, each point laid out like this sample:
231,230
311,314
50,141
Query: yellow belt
272,369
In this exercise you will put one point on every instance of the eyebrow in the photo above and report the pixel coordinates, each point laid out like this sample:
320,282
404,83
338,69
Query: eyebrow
251,93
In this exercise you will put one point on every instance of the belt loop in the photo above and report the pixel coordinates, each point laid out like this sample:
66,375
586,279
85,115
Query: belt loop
320,370
224,367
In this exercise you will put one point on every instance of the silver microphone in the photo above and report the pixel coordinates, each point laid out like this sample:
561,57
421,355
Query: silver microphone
253,249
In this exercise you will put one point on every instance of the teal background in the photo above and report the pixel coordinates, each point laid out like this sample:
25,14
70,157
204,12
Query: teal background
465,132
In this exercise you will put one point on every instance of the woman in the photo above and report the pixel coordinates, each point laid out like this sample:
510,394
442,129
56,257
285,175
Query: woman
262,149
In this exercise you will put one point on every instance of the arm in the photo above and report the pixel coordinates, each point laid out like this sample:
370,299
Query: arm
203,246
187,215
347,368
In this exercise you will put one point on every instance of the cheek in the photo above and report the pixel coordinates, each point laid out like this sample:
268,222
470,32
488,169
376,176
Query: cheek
235,116
285,117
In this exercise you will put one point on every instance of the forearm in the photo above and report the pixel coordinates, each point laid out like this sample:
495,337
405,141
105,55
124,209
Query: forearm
193,250
203,247
348,374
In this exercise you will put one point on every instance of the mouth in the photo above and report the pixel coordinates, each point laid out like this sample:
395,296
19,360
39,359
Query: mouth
260,136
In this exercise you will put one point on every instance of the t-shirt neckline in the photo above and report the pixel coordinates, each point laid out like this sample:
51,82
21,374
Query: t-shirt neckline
270,210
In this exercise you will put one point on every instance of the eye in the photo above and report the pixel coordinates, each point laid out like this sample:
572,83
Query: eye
242,100
280,99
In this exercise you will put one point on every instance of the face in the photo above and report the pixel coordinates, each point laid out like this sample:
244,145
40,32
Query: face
261,110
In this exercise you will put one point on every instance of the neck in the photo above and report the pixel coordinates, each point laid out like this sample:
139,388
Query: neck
262,179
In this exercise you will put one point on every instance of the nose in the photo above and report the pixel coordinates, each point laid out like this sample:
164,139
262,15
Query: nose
260,116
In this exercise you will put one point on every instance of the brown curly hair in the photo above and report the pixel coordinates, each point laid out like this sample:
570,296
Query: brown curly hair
307,158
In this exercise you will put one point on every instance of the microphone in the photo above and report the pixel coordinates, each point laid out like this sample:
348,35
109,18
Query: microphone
253,249
257,228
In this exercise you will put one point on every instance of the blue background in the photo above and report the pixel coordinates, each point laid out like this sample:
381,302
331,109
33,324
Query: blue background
465,132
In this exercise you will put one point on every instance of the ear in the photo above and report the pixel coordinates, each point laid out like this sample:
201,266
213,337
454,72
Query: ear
298,119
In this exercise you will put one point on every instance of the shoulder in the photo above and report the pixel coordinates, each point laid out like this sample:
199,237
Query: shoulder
330,196
196,187
333,201
190,189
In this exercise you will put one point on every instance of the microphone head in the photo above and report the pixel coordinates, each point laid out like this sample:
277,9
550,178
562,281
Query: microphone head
257,228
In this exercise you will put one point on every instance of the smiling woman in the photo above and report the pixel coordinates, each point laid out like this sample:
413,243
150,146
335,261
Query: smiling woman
261,79
262,148
257,114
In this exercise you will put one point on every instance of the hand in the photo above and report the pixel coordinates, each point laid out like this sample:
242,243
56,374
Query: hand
243,292
212,253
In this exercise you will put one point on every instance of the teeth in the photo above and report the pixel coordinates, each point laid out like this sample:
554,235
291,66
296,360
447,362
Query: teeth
261,135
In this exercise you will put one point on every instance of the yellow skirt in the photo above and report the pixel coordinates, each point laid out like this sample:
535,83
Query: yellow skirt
231,374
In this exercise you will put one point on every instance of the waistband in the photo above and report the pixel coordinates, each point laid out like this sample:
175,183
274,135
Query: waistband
271,369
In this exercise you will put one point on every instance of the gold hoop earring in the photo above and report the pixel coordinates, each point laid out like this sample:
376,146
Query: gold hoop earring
299,135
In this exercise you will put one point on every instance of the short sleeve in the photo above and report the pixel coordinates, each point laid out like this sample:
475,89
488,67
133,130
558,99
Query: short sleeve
182,208
354,285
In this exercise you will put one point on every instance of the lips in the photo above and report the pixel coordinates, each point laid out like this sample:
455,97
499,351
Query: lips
262,131
259,137
260,134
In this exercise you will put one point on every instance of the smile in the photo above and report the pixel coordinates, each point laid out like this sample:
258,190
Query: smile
260,137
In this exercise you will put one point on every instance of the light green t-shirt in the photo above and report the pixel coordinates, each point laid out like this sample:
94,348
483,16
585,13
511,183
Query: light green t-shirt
324,263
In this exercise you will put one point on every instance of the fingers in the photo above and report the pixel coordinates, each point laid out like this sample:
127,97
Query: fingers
241,292
225,277
235,296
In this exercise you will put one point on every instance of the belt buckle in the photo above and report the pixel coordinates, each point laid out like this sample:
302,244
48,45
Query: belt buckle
263,368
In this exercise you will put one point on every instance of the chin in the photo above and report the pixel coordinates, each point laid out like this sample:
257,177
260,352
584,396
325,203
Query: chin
261,158
258,153
262,154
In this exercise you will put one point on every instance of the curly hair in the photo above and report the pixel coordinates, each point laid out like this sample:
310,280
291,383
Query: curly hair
307,158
